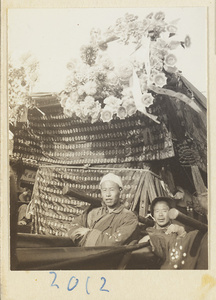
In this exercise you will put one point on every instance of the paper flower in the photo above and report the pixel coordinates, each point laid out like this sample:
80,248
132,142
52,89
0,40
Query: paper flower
147,99
159,44
155,29
130,17
159,16
173,45
125,70
170,69
106,62
70,83
100,76
122,112
112,78
63,99
80,90
106,114
89,101
97,87
154,72
160,79
90,88
131,109
69,103
91,108
79,111
95,111
73,96
187,41
71,64
95,35
79,76
156,63
127,92
146,23
113,103
95,116
149,16
130,106
88,54
170,60
171,28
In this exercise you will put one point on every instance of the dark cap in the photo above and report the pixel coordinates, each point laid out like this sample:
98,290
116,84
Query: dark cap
168,200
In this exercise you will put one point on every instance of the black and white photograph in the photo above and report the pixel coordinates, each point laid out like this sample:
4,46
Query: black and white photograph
107,140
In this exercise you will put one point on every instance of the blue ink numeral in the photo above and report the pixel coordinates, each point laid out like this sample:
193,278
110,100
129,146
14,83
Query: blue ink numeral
87,285
77,280
101,289
52,284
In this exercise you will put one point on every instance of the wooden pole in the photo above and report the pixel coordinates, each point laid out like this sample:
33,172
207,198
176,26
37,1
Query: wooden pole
96,202
146,221
81,196
175,214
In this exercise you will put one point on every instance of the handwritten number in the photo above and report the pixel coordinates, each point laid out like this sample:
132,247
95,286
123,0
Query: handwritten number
87,285
76,283
77,280
52,284
101,289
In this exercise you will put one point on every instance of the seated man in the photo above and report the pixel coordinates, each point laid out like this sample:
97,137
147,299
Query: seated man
176,248
160,207
108,225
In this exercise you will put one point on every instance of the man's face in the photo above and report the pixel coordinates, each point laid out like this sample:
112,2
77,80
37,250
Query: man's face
161,213
110,193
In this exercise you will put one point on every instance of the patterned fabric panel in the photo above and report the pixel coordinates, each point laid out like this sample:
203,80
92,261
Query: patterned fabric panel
61,140
189,154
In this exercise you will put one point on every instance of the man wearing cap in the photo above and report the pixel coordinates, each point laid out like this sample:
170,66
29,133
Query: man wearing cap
109,225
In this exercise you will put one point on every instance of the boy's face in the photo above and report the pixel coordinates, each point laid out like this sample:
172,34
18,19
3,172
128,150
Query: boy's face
110,193
161,213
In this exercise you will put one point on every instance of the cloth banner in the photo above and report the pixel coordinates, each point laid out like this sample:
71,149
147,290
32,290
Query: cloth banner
179,96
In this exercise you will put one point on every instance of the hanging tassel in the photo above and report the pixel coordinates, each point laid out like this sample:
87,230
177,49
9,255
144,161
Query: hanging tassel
198,181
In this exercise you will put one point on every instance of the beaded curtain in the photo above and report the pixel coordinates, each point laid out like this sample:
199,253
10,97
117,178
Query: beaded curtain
55,138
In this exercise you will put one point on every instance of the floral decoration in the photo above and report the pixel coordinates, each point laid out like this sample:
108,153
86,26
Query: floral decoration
122,112
22,75
147,99
187,41
106,114
160,79
170,60
98,88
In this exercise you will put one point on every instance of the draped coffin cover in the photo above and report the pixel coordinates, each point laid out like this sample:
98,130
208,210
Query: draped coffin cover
59,142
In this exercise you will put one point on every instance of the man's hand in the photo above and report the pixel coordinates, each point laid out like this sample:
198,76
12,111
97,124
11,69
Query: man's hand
79,233
174,228
146,238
